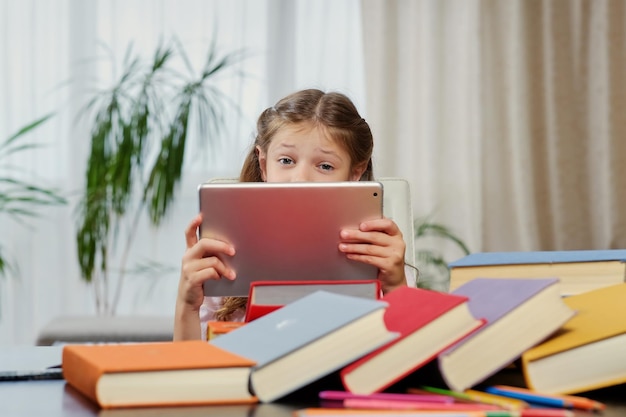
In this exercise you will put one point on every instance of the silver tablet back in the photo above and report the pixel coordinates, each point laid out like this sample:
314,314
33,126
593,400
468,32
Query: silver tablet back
286,231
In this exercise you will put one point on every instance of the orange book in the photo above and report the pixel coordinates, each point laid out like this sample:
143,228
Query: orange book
157,374
218,328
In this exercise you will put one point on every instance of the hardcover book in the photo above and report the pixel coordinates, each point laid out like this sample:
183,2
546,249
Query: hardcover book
427,321
307,340
267,296
589,352
218,328
578,270
157,374
519,312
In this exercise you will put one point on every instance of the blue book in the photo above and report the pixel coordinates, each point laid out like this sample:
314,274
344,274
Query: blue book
538,257
306,340
578,270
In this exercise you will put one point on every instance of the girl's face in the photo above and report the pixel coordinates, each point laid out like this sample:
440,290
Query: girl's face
304,153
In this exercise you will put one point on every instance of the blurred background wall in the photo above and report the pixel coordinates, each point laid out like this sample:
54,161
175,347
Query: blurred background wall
508,118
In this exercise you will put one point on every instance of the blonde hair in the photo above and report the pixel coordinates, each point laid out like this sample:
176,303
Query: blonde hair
336,114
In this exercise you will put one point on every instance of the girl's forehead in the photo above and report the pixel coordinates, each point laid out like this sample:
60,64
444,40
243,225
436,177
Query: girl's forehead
303,132
300,128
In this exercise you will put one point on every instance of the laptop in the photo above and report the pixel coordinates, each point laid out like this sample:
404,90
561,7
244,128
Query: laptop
286,231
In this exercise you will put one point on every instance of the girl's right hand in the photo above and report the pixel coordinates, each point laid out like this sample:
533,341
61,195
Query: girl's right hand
199,264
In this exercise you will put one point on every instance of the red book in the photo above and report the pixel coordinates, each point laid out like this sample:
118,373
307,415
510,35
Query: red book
267,296
428,322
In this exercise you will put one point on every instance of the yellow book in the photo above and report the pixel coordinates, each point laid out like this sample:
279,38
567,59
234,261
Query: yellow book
589,351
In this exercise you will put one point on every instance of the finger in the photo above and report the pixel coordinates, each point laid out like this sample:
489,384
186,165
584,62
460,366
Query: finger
381,256
198,270
362,249
205,254
385,265
384,225
215,247
191,232
370,237
212,268
207,247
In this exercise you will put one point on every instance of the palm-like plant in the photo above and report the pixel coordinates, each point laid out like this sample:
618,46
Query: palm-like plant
433,267
20,198
139,136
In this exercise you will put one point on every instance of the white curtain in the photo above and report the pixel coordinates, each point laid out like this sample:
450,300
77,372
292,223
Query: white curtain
52,56
508,117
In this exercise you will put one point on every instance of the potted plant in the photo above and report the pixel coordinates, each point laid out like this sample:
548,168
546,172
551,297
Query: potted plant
139,136
433,268
20,198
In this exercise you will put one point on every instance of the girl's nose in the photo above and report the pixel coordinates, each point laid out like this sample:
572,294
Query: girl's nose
301,174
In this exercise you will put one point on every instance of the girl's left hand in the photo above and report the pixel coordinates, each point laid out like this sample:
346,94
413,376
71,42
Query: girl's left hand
379,243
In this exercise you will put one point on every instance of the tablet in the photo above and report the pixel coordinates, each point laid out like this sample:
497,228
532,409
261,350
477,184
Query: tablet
286,231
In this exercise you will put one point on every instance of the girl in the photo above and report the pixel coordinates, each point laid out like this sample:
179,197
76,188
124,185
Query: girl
307,136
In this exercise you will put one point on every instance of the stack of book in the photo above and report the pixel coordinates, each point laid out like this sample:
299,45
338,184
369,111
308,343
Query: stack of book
564,345
264,359
280,352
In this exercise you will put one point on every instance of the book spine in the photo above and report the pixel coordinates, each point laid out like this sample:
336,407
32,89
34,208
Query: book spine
79,373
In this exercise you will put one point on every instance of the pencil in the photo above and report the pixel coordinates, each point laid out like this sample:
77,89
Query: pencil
545,412
338,412
344,395
481,397
564,401
415,405
502,401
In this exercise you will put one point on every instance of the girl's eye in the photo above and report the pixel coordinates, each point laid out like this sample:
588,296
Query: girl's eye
326,167
285,161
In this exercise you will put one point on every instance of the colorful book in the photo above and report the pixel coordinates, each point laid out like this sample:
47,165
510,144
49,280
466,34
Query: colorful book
589,352
307,340
267,296
519,312
157,374
428,322
578,270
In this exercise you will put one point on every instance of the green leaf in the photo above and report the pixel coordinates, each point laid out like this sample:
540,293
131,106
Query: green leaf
21,199
26,129
433,267
140,132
